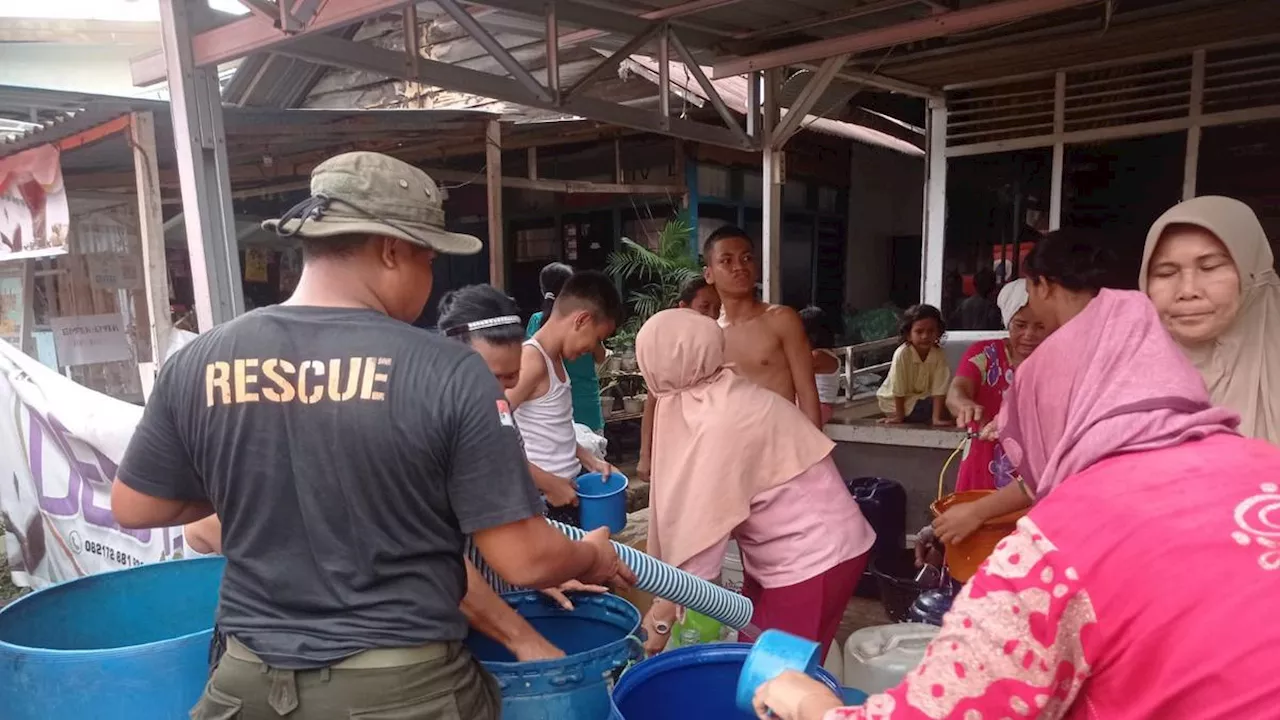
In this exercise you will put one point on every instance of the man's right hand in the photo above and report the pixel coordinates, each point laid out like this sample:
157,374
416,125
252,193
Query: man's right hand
607,568
561,493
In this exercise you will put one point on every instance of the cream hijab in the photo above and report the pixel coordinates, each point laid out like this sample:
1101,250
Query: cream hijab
1242,369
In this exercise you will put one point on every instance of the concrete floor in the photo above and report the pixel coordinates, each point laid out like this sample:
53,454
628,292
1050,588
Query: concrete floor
861,613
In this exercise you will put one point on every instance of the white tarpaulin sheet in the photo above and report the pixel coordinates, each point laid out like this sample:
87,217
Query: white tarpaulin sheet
60,444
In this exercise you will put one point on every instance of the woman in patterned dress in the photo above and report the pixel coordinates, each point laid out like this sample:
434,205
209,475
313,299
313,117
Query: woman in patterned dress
1086,610
984,374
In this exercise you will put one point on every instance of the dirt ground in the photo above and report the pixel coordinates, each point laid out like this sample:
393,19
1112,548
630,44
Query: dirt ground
8,591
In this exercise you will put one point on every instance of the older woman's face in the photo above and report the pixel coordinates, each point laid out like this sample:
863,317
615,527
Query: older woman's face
1194,284
1025,332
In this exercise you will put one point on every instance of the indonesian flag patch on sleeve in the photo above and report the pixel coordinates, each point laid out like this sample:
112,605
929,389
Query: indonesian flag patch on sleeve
504,414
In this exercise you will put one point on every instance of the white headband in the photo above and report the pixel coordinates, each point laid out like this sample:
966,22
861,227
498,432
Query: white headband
492,322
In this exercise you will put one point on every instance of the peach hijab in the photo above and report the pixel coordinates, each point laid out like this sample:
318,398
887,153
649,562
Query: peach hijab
718,439
1242,368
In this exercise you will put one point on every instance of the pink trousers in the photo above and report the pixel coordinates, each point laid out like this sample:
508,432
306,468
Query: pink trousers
810,609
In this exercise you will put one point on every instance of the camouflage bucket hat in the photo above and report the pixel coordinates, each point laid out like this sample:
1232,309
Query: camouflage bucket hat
368,192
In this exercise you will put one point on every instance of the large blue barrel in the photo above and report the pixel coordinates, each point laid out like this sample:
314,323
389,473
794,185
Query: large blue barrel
699,681
598,638
126,645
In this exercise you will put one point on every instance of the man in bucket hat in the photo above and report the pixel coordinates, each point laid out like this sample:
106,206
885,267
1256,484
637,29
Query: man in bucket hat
347,454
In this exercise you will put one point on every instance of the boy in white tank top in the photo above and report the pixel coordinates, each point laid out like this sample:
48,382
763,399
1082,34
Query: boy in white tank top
585,313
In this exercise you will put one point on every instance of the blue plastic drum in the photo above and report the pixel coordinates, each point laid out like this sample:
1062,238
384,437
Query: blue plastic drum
126,645
699,681
603,503
598,638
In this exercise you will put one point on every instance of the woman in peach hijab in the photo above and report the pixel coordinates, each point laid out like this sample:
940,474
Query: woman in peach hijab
1209,271
734,460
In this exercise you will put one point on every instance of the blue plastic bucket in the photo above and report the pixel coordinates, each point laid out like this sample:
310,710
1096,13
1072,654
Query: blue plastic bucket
598,637
773,653
700,682
603,502
126,645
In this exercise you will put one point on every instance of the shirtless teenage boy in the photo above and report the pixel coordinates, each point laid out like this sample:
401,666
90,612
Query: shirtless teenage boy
764,343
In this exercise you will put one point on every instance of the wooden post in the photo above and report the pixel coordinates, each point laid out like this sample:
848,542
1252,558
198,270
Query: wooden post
1191,162
618,175
493,186
155,270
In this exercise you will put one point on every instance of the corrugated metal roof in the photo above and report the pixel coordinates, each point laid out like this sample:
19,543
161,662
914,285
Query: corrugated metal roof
256,130
733,91
39,111
719,29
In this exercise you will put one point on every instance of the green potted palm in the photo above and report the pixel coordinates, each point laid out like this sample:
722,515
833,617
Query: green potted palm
655,278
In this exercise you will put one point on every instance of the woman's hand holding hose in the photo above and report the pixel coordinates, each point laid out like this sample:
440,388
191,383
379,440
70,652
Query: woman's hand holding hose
657,625
967,412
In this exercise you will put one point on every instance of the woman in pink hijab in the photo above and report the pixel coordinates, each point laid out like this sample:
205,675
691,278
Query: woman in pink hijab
1142,585
732,460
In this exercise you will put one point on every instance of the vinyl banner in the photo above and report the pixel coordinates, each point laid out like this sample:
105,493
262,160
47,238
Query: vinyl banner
60,443
34,216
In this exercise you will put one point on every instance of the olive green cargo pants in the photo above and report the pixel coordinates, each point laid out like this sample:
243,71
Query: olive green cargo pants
435,682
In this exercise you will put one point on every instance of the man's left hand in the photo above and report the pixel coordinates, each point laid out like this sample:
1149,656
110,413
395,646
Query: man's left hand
559,593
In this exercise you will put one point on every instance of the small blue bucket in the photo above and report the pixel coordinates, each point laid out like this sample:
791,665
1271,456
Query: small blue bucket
603,502
598,638
774,653
125,645
699,681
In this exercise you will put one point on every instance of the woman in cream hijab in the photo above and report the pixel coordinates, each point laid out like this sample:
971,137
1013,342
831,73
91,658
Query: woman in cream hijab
1209,271
732,460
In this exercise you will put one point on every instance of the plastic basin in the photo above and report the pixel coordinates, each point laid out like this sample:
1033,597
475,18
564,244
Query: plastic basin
125,645
603,503
896,577
598,638
964,557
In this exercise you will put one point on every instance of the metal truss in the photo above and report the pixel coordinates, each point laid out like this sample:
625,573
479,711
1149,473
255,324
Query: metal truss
523,87
298,28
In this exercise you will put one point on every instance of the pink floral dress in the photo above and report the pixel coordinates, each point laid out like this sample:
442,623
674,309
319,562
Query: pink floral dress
989,368
1144,587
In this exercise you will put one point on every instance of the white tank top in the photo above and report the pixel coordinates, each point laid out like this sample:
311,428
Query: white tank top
828,383
546,424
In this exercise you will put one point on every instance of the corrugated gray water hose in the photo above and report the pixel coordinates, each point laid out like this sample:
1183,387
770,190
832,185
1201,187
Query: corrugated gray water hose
671,583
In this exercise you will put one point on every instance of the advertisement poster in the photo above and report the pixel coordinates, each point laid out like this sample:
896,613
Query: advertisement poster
255,265
60,444
88,339
34,216
115,271
13,307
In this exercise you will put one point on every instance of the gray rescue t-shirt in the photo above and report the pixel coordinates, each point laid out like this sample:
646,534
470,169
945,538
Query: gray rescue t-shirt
348,455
